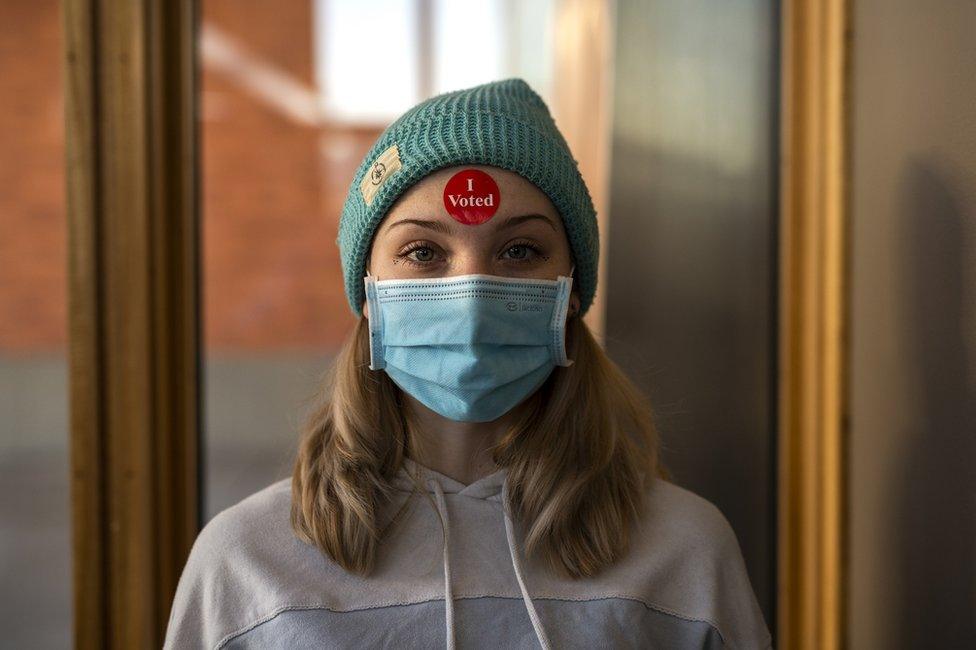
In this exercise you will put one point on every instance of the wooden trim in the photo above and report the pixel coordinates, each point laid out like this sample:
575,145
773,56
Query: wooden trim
84,353
131,142
813,333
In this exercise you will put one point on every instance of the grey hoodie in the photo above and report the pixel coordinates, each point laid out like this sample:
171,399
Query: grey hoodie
250,583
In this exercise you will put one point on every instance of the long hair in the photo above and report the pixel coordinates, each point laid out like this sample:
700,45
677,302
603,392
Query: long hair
579,454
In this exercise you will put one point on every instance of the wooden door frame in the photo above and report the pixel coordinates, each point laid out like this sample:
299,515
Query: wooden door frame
134,311
813,332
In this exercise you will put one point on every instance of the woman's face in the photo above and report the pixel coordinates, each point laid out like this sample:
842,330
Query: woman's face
418,237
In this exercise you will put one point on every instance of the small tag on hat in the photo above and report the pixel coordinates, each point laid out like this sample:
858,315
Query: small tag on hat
384,167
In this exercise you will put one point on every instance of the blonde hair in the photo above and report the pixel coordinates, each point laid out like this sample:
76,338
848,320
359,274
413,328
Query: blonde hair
579,456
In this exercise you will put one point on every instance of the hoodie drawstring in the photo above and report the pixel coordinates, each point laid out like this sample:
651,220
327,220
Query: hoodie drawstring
540,632
448,596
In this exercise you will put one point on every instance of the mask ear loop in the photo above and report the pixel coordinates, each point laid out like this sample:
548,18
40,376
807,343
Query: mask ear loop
572,278
375,320
558,325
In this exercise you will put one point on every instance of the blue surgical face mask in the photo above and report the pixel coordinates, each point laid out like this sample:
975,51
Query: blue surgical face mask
469,347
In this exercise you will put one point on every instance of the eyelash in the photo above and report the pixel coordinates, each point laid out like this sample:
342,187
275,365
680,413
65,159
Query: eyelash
404,255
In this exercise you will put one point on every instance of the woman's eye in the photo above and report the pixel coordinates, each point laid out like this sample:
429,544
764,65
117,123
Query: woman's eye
521,252
419,254
422,254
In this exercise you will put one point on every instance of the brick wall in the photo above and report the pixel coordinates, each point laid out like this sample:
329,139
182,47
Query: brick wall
32,221
272,189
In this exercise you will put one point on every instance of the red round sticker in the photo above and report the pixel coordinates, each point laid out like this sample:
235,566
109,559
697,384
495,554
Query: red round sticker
471,196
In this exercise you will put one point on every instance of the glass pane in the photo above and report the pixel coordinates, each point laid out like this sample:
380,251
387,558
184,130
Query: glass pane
694,216
35,554
273,185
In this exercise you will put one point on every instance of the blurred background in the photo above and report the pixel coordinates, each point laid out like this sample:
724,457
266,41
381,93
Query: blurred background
294,92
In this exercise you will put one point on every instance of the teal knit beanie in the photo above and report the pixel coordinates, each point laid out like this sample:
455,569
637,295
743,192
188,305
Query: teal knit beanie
503,123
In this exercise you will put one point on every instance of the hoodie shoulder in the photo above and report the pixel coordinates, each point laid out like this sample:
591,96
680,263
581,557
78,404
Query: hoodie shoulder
236,525
230,568
689,517
699,571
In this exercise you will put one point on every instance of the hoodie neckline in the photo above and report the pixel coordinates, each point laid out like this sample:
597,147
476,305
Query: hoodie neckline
487,487
492,487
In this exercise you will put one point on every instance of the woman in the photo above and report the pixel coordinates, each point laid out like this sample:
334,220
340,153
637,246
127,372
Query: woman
469,249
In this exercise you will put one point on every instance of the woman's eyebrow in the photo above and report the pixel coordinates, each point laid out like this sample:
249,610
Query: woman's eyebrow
514,221
439,226
442,227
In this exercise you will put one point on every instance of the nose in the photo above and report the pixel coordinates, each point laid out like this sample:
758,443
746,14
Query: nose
474,263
